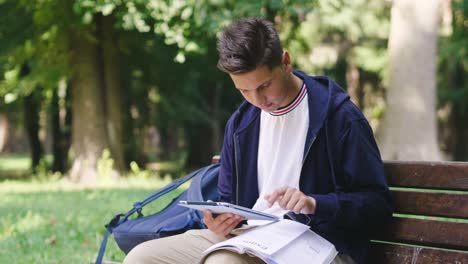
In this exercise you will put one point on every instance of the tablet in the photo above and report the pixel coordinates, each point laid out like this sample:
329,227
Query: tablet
221,207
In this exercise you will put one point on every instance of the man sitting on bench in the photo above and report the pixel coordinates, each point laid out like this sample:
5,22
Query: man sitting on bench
296,145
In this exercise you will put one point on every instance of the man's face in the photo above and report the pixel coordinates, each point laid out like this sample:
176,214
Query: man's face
266,89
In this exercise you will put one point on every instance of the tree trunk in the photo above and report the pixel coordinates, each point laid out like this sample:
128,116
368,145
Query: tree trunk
32,108
60,133
199,145
409,130
171,142
4,124
130,146
460,151
217,138
89,136
112,89
352,83
460,115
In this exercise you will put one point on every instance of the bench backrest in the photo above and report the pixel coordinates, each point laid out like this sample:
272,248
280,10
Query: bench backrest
430,224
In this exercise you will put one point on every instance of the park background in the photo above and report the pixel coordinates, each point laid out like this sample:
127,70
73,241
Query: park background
104,101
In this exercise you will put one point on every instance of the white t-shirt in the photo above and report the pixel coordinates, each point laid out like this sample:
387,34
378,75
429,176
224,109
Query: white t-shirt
281,149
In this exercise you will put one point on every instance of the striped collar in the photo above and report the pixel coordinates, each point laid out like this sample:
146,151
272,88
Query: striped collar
291,106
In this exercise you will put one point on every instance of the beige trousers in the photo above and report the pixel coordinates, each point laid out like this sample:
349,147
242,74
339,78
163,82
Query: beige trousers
187,248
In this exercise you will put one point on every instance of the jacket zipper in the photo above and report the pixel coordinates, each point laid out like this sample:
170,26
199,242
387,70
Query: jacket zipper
237,170
308,149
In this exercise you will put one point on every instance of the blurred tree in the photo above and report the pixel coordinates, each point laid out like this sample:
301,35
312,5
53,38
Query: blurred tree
89,133
59,38
189,29
346,40
452,81
60,115
410,129
112,87
142,74
31,64
4,124
31,111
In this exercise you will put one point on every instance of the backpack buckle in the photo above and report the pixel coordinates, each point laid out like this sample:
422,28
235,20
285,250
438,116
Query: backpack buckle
113,223
138,208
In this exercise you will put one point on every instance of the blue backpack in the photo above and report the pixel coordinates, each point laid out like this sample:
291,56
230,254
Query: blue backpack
172,220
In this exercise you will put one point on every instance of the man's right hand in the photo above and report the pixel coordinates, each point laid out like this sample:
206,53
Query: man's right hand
221,224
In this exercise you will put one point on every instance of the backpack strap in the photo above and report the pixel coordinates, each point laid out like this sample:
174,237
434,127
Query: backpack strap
113,223
121,218
194,192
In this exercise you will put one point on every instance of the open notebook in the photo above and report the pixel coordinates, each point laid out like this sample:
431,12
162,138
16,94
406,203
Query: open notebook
284,241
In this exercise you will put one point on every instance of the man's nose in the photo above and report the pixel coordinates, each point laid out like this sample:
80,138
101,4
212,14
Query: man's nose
259,98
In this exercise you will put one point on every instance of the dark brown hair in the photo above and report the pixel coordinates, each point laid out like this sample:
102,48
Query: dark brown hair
247,44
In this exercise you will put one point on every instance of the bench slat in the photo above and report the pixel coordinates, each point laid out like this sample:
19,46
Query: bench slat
398,254
432,175
434,233
431,204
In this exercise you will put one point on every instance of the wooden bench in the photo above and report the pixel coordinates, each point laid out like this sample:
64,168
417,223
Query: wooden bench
430,224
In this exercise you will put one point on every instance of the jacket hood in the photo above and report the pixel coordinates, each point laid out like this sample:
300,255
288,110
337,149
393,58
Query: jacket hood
325,97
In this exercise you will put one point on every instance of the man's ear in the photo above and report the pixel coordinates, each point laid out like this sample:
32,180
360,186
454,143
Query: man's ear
286,61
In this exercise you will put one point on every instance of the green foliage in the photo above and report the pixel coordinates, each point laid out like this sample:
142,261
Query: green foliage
105,166
136,171
168,52
152,36
453,60
355,30
35,54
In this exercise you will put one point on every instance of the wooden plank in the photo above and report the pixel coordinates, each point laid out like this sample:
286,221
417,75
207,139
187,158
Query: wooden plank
415,174
433,233
431,204
433,175
402,254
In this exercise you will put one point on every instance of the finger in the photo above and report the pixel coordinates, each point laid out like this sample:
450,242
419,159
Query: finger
286,197
225,225
295,198
309,205
207,216
277,193
218,223
299,207
231,226
220,219
274,196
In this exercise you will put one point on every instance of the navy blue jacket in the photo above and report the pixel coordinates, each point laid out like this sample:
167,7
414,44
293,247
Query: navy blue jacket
342,168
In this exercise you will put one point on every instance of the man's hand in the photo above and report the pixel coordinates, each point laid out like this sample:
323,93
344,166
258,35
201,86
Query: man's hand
292,199
221,224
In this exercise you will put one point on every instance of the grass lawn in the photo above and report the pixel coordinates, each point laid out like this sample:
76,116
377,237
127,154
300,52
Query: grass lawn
58,222
14,166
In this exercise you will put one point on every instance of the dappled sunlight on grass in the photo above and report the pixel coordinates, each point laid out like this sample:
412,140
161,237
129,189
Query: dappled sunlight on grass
13,162
57,221
18,186
26,223
46,218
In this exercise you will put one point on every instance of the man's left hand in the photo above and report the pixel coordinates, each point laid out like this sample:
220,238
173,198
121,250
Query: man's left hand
292,199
